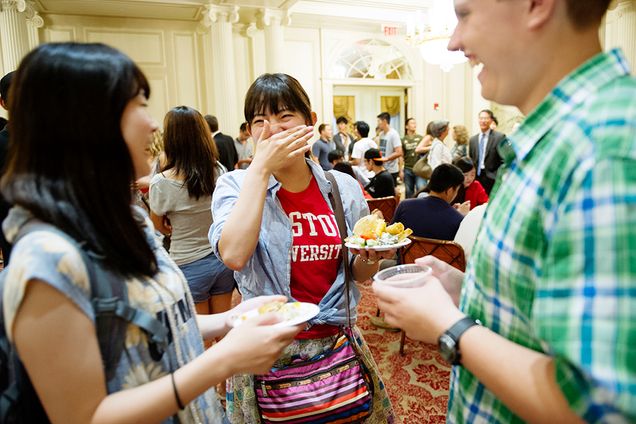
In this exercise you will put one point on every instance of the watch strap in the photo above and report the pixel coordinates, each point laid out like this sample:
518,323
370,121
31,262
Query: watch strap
460,327
455,332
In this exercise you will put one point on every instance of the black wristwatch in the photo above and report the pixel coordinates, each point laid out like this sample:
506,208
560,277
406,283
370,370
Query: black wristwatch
448,342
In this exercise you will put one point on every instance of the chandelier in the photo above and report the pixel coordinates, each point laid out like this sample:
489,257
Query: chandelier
432,33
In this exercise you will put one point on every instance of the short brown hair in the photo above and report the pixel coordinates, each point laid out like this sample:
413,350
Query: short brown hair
213,122
585,13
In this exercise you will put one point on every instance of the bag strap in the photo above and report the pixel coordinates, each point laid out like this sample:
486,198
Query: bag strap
109,298
336,204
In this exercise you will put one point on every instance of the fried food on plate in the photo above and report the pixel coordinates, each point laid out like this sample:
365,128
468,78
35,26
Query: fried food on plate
372,231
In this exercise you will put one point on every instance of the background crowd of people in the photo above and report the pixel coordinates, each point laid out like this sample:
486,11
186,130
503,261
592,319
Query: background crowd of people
385,166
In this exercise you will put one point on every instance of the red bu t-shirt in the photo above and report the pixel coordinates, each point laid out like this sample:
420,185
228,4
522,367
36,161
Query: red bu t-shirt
315,254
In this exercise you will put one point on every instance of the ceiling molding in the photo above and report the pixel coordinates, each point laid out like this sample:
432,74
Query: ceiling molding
194,10
189,10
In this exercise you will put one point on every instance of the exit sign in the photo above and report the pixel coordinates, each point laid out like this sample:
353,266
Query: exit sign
389,30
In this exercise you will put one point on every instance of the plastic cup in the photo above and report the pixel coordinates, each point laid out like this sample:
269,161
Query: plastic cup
404,276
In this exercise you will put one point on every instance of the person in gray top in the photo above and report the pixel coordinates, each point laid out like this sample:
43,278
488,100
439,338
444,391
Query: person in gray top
390,145
321,147
180,198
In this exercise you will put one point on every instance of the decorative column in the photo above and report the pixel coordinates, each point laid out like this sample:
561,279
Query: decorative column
34,23
620,29
222,93
19,22
272,21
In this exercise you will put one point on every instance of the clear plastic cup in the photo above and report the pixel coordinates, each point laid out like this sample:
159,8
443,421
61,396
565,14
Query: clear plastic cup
404,276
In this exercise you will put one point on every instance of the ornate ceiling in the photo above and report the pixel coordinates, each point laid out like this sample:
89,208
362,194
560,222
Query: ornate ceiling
361,10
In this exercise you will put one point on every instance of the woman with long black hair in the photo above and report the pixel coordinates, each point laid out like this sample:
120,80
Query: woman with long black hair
80,132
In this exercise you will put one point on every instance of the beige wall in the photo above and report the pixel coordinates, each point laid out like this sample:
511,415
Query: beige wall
168,52
178,60
303,61
173,56
178,63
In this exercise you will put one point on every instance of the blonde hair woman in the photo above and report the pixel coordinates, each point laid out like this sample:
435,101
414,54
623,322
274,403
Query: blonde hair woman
460,135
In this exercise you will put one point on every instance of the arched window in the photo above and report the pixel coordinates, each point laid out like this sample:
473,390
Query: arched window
371,59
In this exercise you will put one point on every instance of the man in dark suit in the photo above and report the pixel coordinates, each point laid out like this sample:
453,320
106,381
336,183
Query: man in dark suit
228,155
5,82
343,140
483,150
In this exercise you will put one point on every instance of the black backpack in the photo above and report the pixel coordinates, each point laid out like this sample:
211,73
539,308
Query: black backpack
19,402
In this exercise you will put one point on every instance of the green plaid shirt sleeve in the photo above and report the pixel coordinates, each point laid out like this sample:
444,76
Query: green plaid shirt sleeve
554,266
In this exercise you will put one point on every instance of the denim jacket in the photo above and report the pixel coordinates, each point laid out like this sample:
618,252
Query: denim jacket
269,268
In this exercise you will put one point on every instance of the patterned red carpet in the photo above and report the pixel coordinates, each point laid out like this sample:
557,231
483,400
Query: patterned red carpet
418,381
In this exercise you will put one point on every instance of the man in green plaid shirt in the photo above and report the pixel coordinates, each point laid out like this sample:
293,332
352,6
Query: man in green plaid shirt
553,273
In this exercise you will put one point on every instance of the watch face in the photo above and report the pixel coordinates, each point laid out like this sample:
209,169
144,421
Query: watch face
447,348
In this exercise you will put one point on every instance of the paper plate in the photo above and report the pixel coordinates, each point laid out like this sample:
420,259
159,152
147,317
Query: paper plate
380,247
303,313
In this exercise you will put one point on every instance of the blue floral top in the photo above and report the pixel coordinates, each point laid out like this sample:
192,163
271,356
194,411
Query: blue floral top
47,256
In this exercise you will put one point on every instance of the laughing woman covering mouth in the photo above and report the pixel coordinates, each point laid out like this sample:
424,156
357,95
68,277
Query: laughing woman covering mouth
274,225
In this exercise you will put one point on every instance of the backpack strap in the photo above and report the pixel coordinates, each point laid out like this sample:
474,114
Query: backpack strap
109,297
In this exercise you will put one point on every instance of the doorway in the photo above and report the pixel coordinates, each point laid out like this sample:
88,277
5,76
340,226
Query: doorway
365,103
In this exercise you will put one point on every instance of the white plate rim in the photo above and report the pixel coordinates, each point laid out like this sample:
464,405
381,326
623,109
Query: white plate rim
381,247
311,311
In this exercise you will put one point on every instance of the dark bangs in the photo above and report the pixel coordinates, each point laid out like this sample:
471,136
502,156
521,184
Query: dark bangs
276,93
127,81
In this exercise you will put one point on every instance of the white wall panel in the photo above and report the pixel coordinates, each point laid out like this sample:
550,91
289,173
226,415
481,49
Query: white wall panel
167,51
185,69
159,102
301,63
144,47
478,103
455,95
60,34
302,60
433,94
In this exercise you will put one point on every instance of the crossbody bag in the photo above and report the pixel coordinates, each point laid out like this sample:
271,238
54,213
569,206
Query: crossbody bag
334,386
